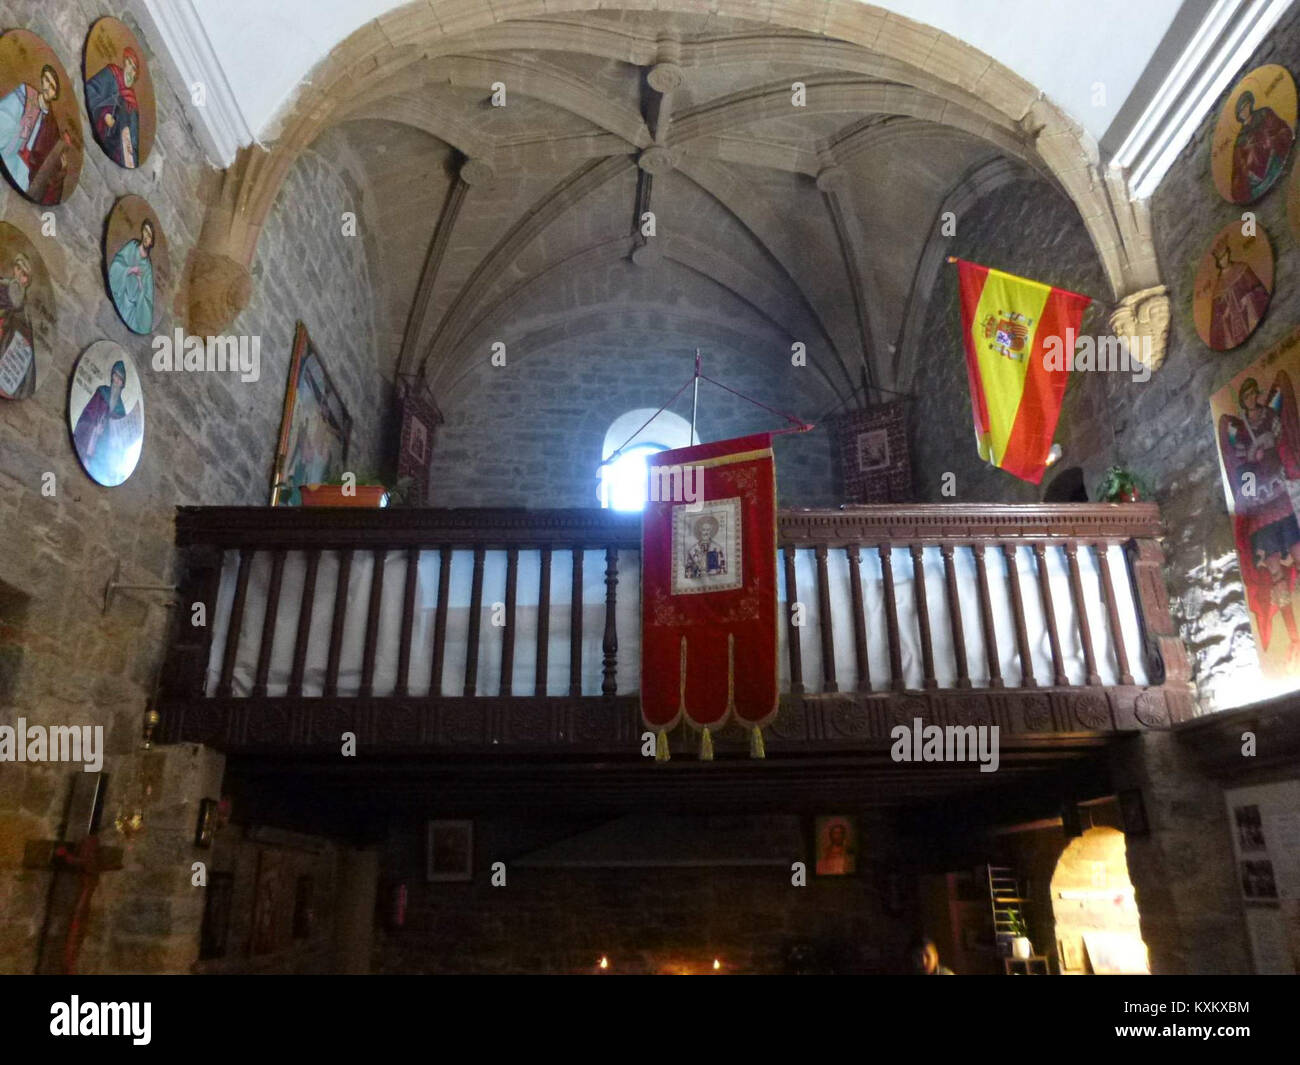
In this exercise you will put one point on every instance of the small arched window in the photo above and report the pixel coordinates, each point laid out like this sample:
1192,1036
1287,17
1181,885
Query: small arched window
623,478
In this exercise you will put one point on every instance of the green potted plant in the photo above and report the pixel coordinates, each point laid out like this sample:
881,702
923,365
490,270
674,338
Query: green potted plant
1121,485
1021,947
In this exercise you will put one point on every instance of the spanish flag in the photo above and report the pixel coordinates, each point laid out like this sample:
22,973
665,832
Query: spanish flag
1007,322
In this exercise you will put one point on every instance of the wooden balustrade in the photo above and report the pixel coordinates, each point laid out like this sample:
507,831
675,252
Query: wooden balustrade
932,629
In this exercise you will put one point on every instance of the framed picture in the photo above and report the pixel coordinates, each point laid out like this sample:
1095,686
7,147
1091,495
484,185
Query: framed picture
268,901
420,418
1250,828
835,845
451,851
707,547
206,829
304,912
216,915
1069,952
315,427
1257,880
1133,811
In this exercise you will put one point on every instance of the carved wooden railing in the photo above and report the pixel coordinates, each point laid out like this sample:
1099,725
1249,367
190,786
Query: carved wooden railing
1048,620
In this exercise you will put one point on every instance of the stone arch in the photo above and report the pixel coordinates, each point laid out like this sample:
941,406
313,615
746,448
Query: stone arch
217,283
1093,895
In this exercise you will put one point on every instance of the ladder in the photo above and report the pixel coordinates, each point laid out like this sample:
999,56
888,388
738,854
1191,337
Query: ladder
1006,903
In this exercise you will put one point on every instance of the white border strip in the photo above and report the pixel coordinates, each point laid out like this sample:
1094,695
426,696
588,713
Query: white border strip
1225,40
220,123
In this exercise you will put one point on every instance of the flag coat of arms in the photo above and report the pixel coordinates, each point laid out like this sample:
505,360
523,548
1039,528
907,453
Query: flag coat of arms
1007,323
708,589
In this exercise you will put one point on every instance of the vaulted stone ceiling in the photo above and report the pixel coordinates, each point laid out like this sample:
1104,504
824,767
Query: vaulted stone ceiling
775,223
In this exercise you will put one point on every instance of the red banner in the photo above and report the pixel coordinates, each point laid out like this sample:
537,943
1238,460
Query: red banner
708,587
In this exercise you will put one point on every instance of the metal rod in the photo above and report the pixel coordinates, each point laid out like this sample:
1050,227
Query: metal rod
695,401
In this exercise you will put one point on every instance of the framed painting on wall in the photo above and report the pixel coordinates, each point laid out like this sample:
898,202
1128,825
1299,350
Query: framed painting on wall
451,851
315,428
419,418
835,846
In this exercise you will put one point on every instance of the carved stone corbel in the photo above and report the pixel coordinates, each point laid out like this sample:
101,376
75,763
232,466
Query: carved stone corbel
1144,315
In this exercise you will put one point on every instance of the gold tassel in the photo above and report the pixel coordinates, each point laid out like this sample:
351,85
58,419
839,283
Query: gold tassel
706,747
756,748
662,753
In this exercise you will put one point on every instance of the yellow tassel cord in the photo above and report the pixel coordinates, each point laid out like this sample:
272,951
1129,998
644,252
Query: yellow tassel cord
662,753
706,746
681,673
731,674
756,748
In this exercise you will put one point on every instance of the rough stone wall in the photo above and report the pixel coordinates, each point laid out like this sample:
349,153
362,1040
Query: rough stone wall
530,433
1164,428
643,919
1025,228
1160,428
209,439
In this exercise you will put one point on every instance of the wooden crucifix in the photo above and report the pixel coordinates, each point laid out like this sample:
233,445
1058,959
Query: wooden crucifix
77,860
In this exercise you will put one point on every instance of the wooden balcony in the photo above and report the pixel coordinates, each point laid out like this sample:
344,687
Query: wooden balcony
455,637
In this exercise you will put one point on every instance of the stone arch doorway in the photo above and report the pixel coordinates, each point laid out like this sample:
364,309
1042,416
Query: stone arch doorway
1094,906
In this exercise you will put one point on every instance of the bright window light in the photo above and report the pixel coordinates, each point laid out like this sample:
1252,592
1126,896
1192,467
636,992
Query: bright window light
624,482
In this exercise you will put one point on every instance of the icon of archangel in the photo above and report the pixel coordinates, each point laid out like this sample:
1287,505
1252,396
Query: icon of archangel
1261,454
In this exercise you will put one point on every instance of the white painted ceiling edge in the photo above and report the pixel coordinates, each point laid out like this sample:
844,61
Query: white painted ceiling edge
1172,56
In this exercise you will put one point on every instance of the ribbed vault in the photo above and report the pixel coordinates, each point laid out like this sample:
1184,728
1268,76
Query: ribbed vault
794,172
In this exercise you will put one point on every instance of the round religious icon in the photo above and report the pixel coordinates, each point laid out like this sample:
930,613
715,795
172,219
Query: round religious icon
119,93
1233,286
106,413
135,259
1293,203
1253,137
26,314
40,125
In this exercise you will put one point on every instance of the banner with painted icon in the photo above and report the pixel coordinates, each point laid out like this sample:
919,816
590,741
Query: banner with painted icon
106,413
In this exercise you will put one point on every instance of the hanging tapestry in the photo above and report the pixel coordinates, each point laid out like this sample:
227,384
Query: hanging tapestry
708,589
874,459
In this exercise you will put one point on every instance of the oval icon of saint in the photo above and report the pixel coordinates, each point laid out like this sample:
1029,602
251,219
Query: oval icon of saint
119,93
40,123
136,263
26,314
106,413
1233,285
1253,137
